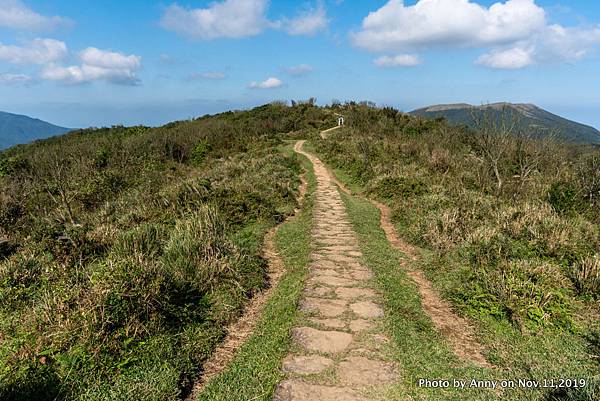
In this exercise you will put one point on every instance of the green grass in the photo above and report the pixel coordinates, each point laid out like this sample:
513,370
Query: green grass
423,352
256,369
130,250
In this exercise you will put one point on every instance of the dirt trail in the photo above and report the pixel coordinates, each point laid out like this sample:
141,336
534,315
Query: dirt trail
457,330
239,332
340,351
325,133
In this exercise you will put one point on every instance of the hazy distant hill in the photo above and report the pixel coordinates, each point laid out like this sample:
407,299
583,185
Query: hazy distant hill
16,129
531,116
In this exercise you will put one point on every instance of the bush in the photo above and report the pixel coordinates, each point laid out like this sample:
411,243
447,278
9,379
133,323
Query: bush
392,187
12,165
200,152
562,196
530,294
585,275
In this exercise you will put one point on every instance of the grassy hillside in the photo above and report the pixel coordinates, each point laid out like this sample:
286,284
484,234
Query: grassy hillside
508,226
125,252
529,118
15,129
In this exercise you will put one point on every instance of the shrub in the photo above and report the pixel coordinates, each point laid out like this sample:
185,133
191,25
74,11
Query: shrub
588,174
530,294
200,152
12,165
146,240
101,158
585,275
562,196
392,187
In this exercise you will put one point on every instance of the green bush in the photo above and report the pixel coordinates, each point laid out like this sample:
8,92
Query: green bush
392,187
530,294
562,196
585,274
200,152
12,165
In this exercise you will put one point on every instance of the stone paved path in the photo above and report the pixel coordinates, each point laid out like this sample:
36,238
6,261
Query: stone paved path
340,351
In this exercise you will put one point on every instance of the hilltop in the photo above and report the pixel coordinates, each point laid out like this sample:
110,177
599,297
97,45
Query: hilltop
530,116
18,129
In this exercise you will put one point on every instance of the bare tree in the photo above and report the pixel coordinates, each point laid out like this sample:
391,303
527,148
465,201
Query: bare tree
529,152
588,174
53,170
493,140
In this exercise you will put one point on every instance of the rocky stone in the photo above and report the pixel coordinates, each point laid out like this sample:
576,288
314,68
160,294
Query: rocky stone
306,365
359,371
367,309
322,341
297,390
360,325
353,293
325,307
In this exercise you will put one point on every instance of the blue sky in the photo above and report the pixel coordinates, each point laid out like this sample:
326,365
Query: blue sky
96,63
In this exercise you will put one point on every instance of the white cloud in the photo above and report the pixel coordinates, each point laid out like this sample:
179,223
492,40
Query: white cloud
401,60
515,33
299,70
207,75
568,44
97,65
269,83
236,19
15,14
509,59
110,60
38,51
307,23
225,19
460,23
14,78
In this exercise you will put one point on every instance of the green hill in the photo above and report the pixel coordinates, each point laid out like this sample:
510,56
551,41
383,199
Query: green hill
127,252
17,129
530,117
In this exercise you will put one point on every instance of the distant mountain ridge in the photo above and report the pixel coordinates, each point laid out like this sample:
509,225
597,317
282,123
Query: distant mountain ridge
17,129
532,116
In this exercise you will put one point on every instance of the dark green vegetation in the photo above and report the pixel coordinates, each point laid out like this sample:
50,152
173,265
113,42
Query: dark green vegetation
255,372
15,129
125,252
510,235
540,122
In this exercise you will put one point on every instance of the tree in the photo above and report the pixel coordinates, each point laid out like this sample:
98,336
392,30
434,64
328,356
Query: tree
495,132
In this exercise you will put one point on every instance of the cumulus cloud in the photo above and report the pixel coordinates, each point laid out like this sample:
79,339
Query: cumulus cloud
431,23
568,44
299,70
515,32
97,65
226,19
14,14
269,83
509,59
307,23
14,78
236,19
38,51
400,60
